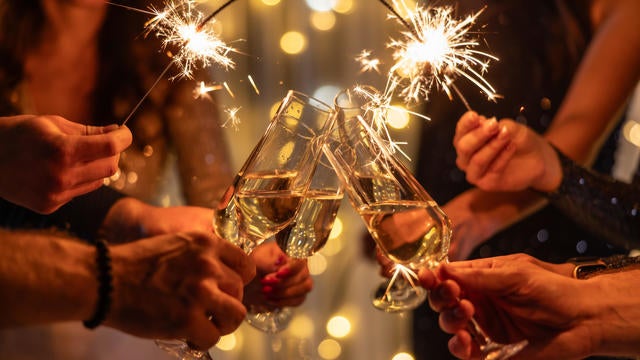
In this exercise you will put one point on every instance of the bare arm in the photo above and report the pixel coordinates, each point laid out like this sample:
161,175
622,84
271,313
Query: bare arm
45,279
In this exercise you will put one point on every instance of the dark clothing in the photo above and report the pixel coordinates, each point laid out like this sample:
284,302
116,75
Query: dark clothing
540,45
81,216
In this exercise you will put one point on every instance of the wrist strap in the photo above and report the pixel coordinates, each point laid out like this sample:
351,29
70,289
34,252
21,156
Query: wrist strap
105,285
589,267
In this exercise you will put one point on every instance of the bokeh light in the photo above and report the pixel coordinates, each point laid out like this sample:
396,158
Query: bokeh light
326,93
228,342
343,6
321,5
323,20
293,42
338,326
301,326
317,264
397,117
631,131
402,356
329,349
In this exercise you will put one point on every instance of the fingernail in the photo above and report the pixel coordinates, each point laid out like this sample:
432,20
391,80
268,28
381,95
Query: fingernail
268,280
284,272
503,133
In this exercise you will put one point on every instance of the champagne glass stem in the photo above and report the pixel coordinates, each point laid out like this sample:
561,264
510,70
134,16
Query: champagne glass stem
182,351
489,349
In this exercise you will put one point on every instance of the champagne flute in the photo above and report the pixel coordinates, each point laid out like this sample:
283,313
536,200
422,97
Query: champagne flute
267,192
407,224
309,231
269,189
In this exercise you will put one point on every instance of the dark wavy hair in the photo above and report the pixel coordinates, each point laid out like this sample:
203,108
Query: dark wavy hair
125,56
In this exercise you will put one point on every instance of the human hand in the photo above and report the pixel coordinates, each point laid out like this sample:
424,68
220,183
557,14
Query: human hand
280,281
179,286
516,297
504,155
130,219
48,160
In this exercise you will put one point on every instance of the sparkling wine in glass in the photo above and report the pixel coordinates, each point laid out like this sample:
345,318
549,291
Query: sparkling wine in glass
406,224
271,186
309,231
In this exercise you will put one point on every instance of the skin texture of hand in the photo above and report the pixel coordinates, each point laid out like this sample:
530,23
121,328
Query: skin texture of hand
168,286
130,219
517,297
52,160
280,281
504,155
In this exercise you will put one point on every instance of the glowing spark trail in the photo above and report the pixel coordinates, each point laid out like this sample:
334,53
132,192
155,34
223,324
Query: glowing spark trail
368,64
180,25
435,50
203,90
232,117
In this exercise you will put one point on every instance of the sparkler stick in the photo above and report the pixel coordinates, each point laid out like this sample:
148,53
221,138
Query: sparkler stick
179,26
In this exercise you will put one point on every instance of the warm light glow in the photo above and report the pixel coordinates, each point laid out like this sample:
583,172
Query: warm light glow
397,117
293,42
338,326
321,5
343,6
317,264
271,2
323,21
329,349
337,228
274,109
301,326
326,93
403,356
181,25
631,132
227,342
286,151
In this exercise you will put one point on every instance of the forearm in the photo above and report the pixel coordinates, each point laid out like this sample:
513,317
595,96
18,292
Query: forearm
491,212
599,203
615,316
45,278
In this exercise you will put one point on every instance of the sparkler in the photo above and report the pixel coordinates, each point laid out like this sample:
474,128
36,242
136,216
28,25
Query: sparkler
180,25
435,50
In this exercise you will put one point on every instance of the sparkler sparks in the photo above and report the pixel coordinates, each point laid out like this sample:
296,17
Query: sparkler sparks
436,50
180,25
232,117
404,272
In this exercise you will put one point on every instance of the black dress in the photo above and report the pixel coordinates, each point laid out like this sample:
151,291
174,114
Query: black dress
539,44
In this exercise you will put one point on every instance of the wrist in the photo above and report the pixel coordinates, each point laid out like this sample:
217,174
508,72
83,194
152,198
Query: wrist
614,316
122,222
552,175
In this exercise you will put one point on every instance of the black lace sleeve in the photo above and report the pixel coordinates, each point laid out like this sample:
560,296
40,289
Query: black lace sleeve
604,206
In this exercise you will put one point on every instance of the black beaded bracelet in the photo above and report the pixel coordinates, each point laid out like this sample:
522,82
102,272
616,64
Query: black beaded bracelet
105,286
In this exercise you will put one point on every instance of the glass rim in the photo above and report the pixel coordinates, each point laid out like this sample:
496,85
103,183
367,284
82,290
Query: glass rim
315,102
352,89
